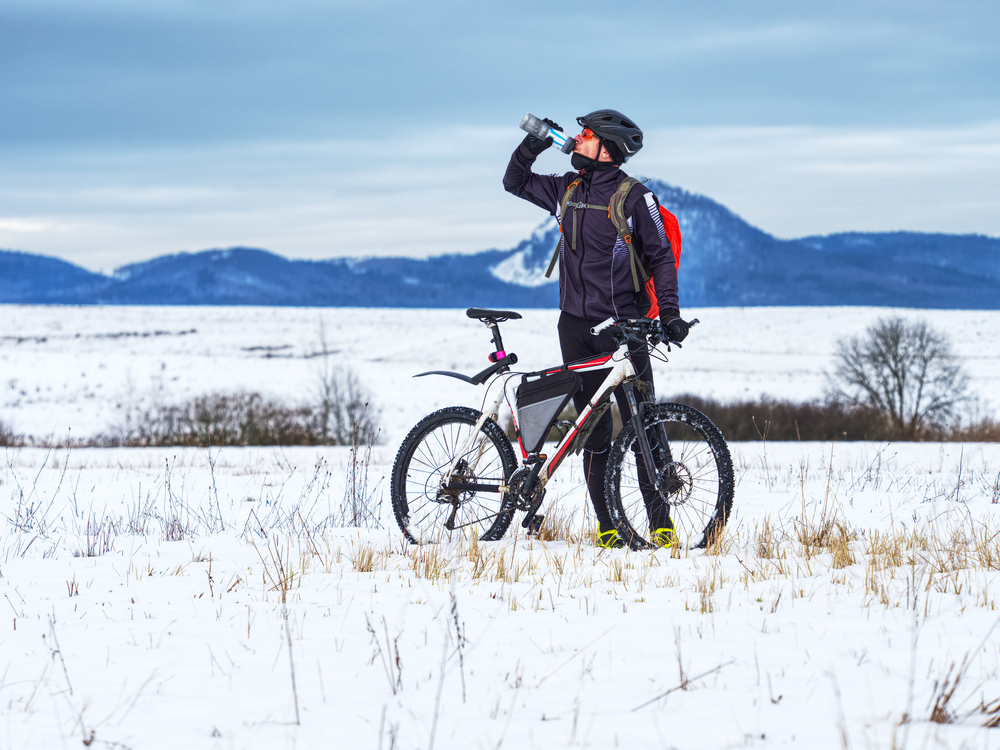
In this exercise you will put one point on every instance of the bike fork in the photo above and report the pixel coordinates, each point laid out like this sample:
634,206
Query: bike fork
647,454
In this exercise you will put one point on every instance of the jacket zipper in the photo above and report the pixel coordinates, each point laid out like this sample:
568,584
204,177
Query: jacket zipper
583,284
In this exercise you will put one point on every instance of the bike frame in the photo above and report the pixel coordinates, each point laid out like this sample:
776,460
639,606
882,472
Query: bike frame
622,371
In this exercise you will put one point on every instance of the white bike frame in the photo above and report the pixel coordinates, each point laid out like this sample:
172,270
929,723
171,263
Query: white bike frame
621,370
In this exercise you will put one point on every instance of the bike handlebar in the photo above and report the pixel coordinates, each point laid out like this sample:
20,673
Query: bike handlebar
596,330
641,330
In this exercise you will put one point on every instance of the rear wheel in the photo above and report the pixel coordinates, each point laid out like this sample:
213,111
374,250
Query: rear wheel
428,511
695,471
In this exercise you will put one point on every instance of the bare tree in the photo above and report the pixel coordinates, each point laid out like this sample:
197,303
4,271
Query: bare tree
905,371
345,411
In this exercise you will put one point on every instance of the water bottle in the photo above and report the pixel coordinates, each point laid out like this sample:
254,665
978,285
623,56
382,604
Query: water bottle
541,130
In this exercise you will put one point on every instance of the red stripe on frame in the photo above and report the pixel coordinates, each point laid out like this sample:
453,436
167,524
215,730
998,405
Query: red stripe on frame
582,365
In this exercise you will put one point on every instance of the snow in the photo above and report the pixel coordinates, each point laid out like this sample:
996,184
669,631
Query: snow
152,642
513,270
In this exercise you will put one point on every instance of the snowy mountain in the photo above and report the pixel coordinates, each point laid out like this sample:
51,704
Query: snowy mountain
725,262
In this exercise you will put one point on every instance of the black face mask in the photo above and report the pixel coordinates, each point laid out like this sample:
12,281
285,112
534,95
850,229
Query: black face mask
584,165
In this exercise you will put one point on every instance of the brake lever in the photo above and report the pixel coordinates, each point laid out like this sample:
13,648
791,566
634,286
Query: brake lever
691,324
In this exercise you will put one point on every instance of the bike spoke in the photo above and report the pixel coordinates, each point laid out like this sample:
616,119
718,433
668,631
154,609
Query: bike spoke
422,501
706,478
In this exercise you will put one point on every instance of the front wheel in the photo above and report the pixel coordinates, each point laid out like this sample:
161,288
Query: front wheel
694,469
429,510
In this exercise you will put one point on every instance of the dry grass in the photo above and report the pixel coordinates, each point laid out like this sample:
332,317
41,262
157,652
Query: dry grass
766,543
945,709
278,573
706,586
840,546
561,525
720,543
429,561
887,568
365,558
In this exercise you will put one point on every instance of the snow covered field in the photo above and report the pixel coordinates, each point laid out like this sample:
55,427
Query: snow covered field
196,598
80,370
115,631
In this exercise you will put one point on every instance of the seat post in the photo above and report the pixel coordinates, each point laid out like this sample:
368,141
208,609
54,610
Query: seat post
497,340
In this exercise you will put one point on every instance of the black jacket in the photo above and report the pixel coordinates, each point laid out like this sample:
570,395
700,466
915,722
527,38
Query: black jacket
595,279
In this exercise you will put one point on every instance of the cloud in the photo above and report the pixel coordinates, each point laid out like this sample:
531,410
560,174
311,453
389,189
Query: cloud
794,181
436,191
21,226
188,72
323,128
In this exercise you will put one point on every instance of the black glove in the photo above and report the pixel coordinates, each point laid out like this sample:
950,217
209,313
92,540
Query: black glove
675,329
532,146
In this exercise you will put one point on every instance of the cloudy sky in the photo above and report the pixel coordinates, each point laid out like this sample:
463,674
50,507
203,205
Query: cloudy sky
319,128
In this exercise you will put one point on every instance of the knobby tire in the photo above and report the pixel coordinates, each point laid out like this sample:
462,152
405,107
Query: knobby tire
422,509
701,466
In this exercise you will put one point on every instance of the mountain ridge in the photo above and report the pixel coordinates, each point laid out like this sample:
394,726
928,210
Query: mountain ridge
725,262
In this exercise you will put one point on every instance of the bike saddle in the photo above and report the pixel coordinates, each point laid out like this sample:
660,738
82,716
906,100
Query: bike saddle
498,315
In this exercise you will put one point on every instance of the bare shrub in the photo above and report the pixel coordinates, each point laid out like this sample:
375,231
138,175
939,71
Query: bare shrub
175,520
100,537
345,409
361,506
984,431
344,406
243,418
7,437
772,419
903,370
223,419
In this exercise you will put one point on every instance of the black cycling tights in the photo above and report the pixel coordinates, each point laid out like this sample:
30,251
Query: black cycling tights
577,343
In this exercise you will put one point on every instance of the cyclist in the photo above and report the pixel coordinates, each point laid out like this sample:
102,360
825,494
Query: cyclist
595,276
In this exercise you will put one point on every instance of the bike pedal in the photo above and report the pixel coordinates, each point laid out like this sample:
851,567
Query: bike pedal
535,524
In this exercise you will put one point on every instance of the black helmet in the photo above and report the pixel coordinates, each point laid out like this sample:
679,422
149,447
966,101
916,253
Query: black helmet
619,133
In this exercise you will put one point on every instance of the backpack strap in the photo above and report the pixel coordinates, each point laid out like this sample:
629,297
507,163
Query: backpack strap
562,214
565,199
616,212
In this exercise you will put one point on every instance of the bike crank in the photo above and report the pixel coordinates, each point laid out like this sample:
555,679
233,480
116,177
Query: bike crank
526,493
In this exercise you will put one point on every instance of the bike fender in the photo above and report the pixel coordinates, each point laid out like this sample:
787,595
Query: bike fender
480,377
458,375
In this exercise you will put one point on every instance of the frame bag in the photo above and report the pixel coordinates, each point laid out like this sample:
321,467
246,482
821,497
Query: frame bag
540,401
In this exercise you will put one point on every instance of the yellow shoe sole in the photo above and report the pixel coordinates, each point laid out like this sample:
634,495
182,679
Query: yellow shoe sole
665,537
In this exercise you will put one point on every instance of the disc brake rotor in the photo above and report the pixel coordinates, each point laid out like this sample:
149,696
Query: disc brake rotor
677,483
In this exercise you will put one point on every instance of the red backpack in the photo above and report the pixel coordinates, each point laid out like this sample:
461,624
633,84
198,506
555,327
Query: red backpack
616,212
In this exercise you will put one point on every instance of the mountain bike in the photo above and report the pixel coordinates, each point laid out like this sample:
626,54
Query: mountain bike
456,472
